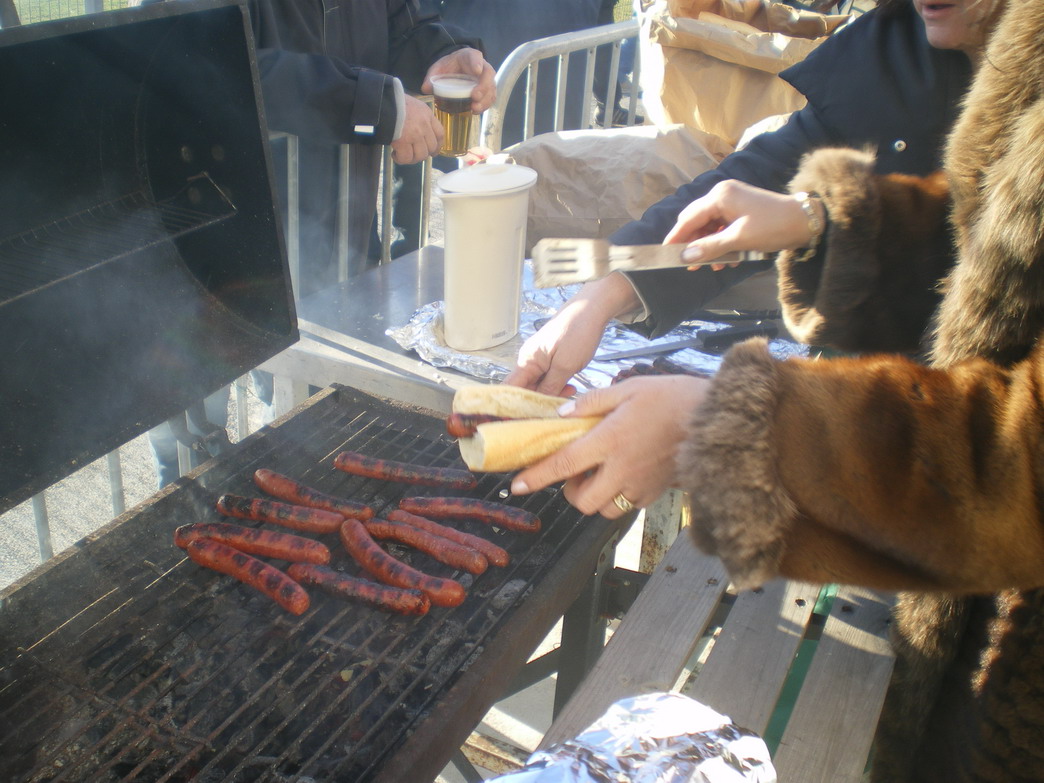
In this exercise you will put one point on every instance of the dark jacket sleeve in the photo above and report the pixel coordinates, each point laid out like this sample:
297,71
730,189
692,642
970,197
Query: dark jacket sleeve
875,83
330,97
419,37
769,161
325,99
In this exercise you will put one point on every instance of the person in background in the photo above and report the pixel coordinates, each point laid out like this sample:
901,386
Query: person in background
878,82
503,25
625,65
342,75
877,469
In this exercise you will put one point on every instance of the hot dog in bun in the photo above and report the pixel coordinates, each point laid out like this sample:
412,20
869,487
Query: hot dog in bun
504,428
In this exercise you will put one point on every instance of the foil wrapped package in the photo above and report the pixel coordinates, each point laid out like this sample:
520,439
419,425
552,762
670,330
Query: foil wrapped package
423,334
653,738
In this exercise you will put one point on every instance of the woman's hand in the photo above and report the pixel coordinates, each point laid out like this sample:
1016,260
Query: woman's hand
467,61
630,453
735,216
566,343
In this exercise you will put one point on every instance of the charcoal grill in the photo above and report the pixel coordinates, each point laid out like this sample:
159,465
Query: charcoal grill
124,661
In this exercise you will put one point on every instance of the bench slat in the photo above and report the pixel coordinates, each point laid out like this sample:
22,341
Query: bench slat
663,627
752,656
830,731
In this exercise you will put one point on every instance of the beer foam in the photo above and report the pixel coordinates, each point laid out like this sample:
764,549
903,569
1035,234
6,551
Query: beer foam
453,86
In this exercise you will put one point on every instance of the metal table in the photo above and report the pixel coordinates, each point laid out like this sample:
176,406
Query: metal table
343,337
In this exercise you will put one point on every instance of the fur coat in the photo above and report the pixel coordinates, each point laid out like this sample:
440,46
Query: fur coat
921,477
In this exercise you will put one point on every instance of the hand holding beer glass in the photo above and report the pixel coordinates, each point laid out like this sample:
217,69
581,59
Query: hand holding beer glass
453,111
463,87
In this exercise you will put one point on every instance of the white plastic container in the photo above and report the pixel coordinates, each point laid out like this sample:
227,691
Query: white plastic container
486,207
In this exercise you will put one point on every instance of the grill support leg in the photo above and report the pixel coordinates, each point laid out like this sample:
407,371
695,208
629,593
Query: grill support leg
465,768
583,630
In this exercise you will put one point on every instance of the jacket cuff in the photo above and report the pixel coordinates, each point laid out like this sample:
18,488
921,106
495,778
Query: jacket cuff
820,296
400,108
727,464
375,95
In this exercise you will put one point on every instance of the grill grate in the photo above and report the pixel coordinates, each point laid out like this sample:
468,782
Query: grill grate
105,232
157,670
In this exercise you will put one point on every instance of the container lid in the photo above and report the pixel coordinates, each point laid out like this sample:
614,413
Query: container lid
488,178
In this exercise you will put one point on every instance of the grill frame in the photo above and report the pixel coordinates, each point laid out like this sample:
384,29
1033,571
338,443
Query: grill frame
475,677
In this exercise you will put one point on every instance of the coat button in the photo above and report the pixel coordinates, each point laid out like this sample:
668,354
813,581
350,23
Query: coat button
899,145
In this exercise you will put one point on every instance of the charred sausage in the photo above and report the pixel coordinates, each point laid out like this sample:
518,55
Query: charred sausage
494,554
486,511
361,465
254,541
286,488
303,518
442,549
465,425
392,599
385,568
250,571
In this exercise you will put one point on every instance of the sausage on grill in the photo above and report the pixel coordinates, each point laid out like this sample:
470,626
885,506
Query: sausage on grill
303,518
486,511
442,549
495,555
361,465
292,491
250,571
254,541
385,568
392,599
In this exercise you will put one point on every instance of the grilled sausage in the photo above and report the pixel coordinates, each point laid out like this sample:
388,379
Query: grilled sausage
292,491
464,425
303,518
361,465
494,554
486,511
392,599
254,541
442,549
250,571
385,568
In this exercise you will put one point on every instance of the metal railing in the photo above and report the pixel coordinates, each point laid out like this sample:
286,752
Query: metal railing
523,62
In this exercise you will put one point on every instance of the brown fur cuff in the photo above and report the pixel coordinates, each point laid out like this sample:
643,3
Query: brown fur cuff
740,511
820,297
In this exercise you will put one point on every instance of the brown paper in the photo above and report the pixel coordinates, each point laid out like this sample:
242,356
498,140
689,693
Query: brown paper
713,64
592,182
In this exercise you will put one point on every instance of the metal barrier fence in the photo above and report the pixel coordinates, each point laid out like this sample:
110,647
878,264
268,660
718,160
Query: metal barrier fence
523,63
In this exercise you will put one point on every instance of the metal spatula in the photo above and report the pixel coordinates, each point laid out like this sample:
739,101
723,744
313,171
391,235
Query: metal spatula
564,261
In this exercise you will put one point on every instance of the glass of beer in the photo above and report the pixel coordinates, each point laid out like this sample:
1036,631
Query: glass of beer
453,110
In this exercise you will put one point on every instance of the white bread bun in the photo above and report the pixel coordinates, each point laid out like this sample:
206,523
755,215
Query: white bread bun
536,431
510,401
501,446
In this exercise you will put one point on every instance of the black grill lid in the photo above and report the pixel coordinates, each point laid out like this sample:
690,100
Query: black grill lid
142,264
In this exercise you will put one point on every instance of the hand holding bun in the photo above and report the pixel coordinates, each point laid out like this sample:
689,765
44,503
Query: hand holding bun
531,427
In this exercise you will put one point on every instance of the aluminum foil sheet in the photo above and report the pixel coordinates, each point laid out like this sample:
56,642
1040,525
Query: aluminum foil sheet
653,738
423,334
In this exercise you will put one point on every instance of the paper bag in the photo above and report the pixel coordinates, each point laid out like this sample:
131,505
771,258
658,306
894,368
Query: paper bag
713,64
592,182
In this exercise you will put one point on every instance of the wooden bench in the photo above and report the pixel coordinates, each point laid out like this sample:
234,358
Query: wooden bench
831,725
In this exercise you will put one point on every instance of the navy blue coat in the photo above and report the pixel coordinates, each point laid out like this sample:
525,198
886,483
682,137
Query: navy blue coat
876,82
326,71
